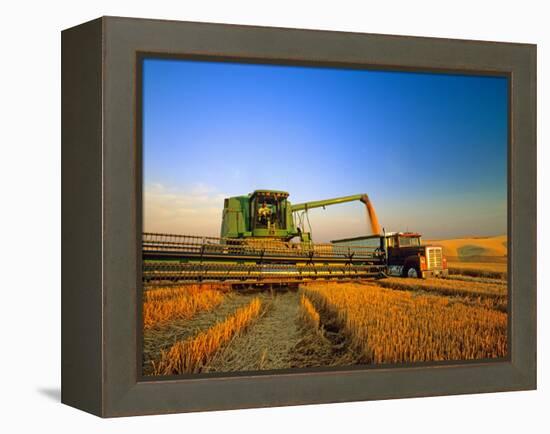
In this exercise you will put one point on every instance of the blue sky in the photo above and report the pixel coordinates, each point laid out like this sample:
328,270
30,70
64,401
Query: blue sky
429,149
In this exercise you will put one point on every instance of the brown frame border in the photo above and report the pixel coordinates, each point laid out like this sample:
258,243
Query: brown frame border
100,219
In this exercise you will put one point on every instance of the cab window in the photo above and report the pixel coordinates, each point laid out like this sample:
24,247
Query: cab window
409,241
269,212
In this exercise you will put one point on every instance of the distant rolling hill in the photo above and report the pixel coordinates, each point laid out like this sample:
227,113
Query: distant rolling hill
475,248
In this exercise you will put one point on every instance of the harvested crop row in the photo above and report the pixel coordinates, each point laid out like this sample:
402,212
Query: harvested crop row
168,292
465,278
394,327
491,295
479,269
191,355
178,303
164,335
308,314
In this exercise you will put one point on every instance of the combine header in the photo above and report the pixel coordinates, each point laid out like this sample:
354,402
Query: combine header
256,246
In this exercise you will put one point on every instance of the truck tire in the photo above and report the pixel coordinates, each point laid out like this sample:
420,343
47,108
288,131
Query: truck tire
411,271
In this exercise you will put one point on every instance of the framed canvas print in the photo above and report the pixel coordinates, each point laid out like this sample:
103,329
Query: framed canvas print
261,216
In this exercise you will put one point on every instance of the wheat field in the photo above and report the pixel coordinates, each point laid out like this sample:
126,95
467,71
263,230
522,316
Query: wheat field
479,269
191,355
464,248
166,304
492,295
308,314
211,328
390,326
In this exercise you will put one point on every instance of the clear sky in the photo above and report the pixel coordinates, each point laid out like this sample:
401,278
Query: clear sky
429,149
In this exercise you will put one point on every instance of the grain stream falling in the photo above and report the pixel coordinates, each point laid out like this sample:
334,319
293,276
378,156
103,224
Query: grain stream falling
396,326
372,218
191,355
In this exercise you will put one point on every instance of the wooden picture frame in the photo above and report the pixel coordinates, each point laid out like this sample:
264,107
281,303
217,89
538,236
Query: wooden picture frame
101,215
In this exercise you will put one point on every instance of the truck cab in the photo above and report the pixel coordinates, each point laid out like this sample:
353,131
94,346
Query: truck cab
406,256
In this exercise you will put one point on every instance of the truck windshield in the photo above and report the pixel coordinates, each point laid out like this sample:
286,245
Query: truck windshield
409,241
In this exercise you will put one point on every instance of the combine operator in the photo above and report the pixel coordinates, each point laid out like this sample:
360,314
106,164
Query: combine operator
265,214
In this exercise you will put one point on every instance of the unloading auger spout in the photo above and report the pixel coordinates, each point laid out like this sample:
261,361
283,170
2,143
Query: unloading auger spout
372,218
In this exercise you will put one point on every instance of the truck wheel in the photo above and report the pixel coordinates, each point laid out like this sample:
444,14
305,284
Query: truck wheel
412,272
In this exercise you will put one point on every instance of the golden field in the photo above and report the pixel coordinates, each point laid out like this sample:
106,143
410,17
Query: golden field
191,355
308,314
211,328
480,269
483,257
493,295
474,247
389,326
165,304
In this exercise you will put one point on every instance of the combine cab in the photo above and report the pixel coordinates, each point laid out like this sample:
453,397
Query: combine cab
262,215
268,215
406,255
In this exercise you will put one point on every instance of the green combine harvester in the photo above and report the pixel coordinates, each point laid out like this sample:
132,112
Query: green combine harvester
264,239
268,215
